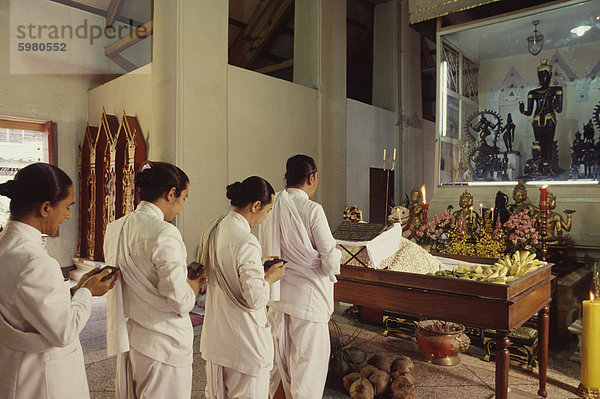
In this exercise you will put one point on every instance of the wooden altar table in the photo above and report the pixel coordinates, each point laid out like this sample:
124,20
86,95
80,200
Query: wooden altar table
502,307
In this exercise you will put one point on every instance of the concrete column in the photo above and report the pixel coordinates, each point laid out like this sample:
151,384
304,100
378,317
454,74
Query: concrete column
320,61
190,97
385,48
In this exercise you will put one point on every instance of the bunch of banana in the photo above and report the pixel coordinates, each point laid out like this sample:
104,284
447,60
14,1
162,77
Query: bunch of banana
504,271
521,263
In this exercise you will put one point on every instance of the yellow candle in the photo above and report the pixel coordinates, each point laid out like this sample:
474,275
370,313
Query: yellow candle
590,345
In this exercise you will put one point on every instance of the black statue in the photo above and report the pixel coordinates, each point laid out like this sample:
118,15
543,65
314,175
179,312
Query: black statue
509,133
548,101
537,166
500,210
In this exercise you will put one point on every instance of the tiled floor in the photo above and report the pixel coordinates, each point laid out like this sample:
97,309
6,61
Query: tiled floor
472,378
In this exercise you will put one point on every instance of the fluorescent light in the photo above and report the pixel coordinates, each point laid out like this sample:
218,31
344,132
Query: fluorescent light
444,102
581,29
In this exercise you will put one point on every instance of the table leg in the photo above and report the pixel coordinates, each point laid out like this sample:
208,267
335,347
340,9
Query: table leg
543,332
502,362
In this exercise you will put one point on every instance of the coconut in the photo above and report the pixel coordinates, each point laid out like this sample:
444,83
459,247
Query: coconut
381,382
402,364
339,367
362,389
349,379
356,356
368,370
380,362
403,387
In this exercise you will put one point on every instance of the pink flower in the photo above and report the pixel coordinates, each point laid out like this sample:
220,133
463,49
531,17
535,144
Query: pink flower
532,230
522,239
527,246
514,241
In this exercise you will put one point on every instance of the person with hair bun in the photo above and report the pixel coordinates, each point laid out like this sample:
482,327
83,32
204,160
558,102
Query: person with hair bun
148,322
297,230
40,320
236,337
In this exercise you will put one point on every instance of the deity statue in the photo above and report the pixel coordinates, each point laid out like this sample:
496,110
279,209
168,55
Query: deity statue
537,166
548,101
416,208
509,133
467,214
521,199
555,224
500,211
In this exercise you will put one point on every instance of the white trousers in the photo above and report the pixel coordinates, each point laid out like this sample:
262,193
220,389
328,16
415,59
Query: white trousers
302,350
141,377
225,383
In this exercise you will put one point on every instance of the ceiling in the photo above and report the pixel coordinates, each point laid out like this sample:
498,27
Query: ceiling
509,37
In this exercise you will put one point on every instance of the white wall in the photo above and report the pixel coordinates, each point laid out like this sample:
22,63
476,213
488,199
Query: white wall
130,93
59,98
269,120
370,129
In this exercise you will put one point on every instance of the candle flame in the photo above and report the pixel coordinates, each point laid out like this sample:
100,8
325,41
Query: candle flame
424,192
591,295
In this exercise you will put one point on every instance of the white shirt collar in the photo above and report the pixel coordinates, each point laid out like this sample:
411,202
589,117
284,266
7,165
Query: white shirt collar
149,207
297,192
27,231
240,220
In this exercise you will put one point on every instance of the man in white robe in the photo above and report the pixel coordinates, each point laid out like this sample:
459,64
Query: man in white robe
148,323
297,231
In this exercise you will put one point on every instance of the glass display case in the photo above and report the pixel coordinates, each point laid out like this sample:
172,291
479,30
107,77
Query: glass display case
511,110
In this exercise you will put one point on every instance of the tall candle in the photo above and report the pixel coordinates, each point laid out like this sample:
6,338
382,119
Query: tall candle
590,345
394,159
384,152
481,210
544,197
492,220
471,214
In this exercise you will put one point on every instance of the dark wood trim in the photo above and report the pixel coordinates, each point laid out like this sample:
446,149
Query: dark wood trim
142,32
276,67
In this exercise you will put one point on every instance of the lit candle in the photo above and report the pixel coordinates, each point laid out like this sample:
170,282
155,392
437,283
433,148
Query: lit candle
394,159
425,205
544,197
492,220
471,214
590,344
481,210
384,152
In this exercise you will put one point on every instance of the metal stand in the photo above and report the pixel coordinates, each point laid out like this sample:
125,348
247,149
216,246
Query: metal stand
544,234
588,393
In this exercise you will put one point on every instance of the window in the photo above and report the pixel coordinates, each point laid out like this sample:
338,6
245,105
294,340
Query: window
22,142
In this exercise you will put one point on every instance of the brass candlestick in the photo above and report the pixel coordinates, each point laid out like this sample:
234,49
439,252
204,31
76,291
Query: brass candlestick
544,233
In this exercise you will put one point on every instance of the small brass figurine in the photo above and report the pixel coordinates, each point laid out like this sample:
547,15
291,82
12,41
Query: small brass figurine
521,199
467,214
415,209
555,224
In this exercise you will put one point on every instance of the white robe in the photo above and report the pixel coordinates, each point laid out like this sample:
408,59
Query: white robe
153,297
40,352
234,337
297,231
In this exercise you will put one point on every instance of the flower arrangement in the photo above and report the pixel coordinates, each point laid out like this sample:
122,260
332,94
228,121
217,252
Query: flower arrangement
521,232
438,228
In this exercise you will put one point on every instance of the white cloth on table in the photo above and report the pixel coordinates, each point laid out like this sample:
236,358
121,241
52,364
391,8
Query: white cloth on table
381,247
40,352
226,383
235,337
149,310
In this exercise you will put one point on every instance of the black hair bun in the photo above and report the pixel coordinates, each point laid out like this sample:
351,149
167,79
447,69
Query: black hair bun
233,190
9,189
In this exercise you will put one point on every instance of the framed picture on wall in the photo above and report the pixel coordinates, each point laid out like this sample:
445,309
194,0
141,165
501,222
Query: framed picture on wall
22,142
